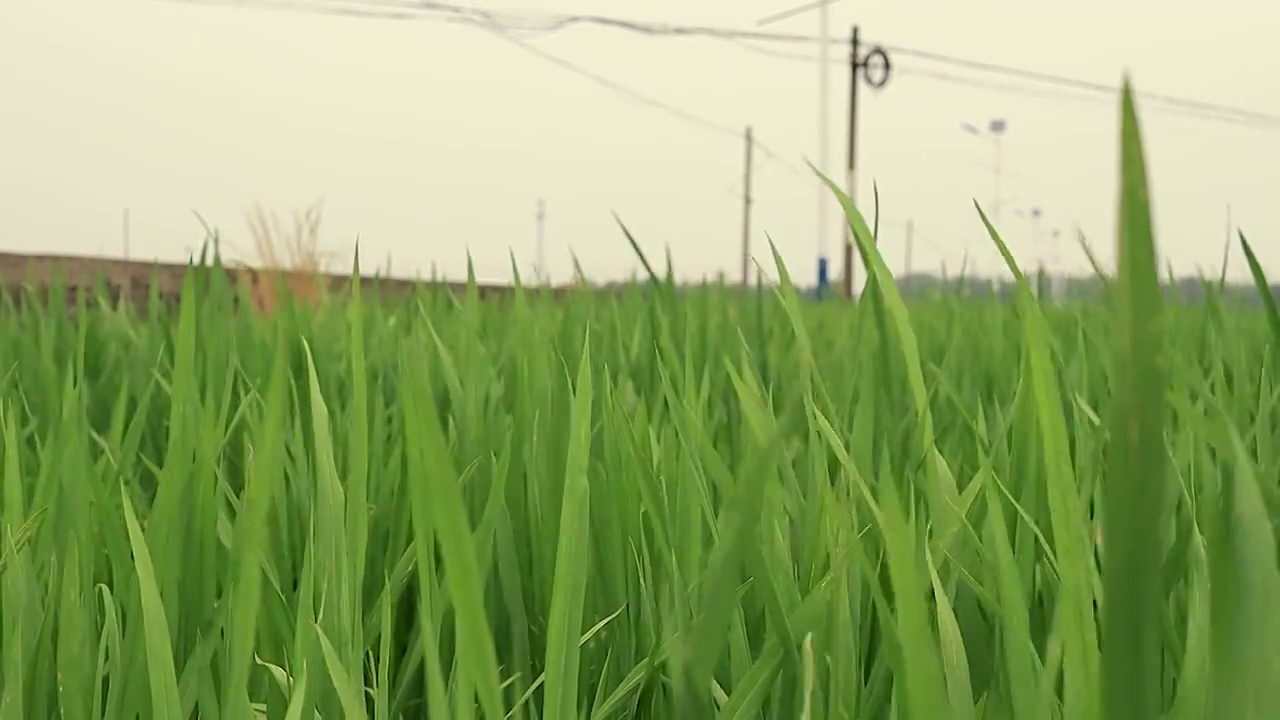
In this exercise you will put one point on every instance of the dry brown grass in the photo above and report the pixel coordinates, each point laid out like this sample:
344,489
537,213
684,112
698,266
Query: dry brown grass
290,258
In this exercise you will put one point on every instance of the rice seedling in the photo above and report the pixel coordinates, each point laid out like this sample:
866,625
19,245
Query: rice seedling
646,504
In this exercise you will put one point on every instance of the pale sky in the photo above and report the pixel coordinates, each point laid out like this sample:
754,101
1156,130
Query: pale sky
429,139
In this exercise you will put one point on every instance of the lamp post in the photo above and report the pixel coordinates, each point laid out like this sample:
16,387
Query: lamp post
824,119
1050,257
993,133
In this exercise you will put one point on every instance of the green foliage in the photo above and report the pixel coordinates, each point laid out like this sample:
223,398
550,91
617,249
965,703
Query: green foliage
664,504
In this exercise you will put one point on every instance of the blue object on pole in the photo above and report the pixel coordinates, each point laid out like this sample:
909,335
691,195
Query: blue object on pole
823,280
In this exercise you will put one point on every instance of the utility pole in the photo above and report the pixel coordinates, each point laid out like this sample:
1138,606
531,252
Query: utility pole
125,233
746,211
851,163
997,128
824,141
874,68
1228,224
540,271
906,262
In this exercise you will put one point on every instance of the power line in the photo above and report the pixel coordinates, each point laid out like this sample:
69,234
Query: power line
478,19
1051,92
1075,84
389,11
1069,96
552,23
540,23
543,24
637,96
793,11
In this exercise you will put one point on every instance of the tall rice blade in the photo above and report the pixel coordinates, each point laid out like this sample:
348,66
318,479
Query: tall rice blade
165,700
357,476
349,690
1136,487
939,488
1264,288
1244,590
1014,621
1067,517
440,514
20,616
265,480
569,586
920,666
924,693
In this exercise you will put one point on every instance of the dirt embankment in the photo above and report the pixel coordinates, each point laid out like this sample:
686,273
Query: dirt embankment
134,279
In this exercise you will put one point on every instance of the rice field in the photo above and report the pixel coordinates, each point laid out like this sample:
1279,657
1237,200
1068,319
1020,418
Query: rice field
658,505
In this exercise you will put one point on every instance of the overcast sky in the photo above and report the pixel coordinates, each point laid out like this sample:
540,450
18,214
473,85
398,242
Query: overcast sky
429,139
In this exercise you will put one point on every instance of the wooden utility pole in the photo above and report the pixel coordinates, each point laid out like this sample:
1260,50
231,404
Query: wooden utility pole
851,178
874,68
746,212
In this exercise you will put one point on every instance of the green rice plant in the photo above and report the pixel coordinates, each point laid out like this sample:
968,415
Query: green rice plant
660,503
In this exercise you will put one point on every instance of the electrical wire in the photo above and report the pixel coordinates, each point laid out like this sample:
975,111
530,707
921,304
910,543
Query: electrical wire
642,98
543,24
1077,97
555,23
389,11
482,20
540,23
1051,92
514,28
794,11
1077,84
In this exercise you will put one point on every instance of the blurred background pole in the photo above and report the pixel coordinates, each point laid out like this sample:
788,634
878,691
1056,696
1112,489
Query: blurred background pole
874,68
823,161
540,272
124,229
824,139
994,133
1229,227
997,128
746,212
906,260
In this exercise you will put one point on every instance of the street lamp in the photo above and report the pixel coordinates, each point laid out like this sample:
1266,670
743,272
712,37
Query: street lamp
824,115
824,139
1050,256
994,132
1033,215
